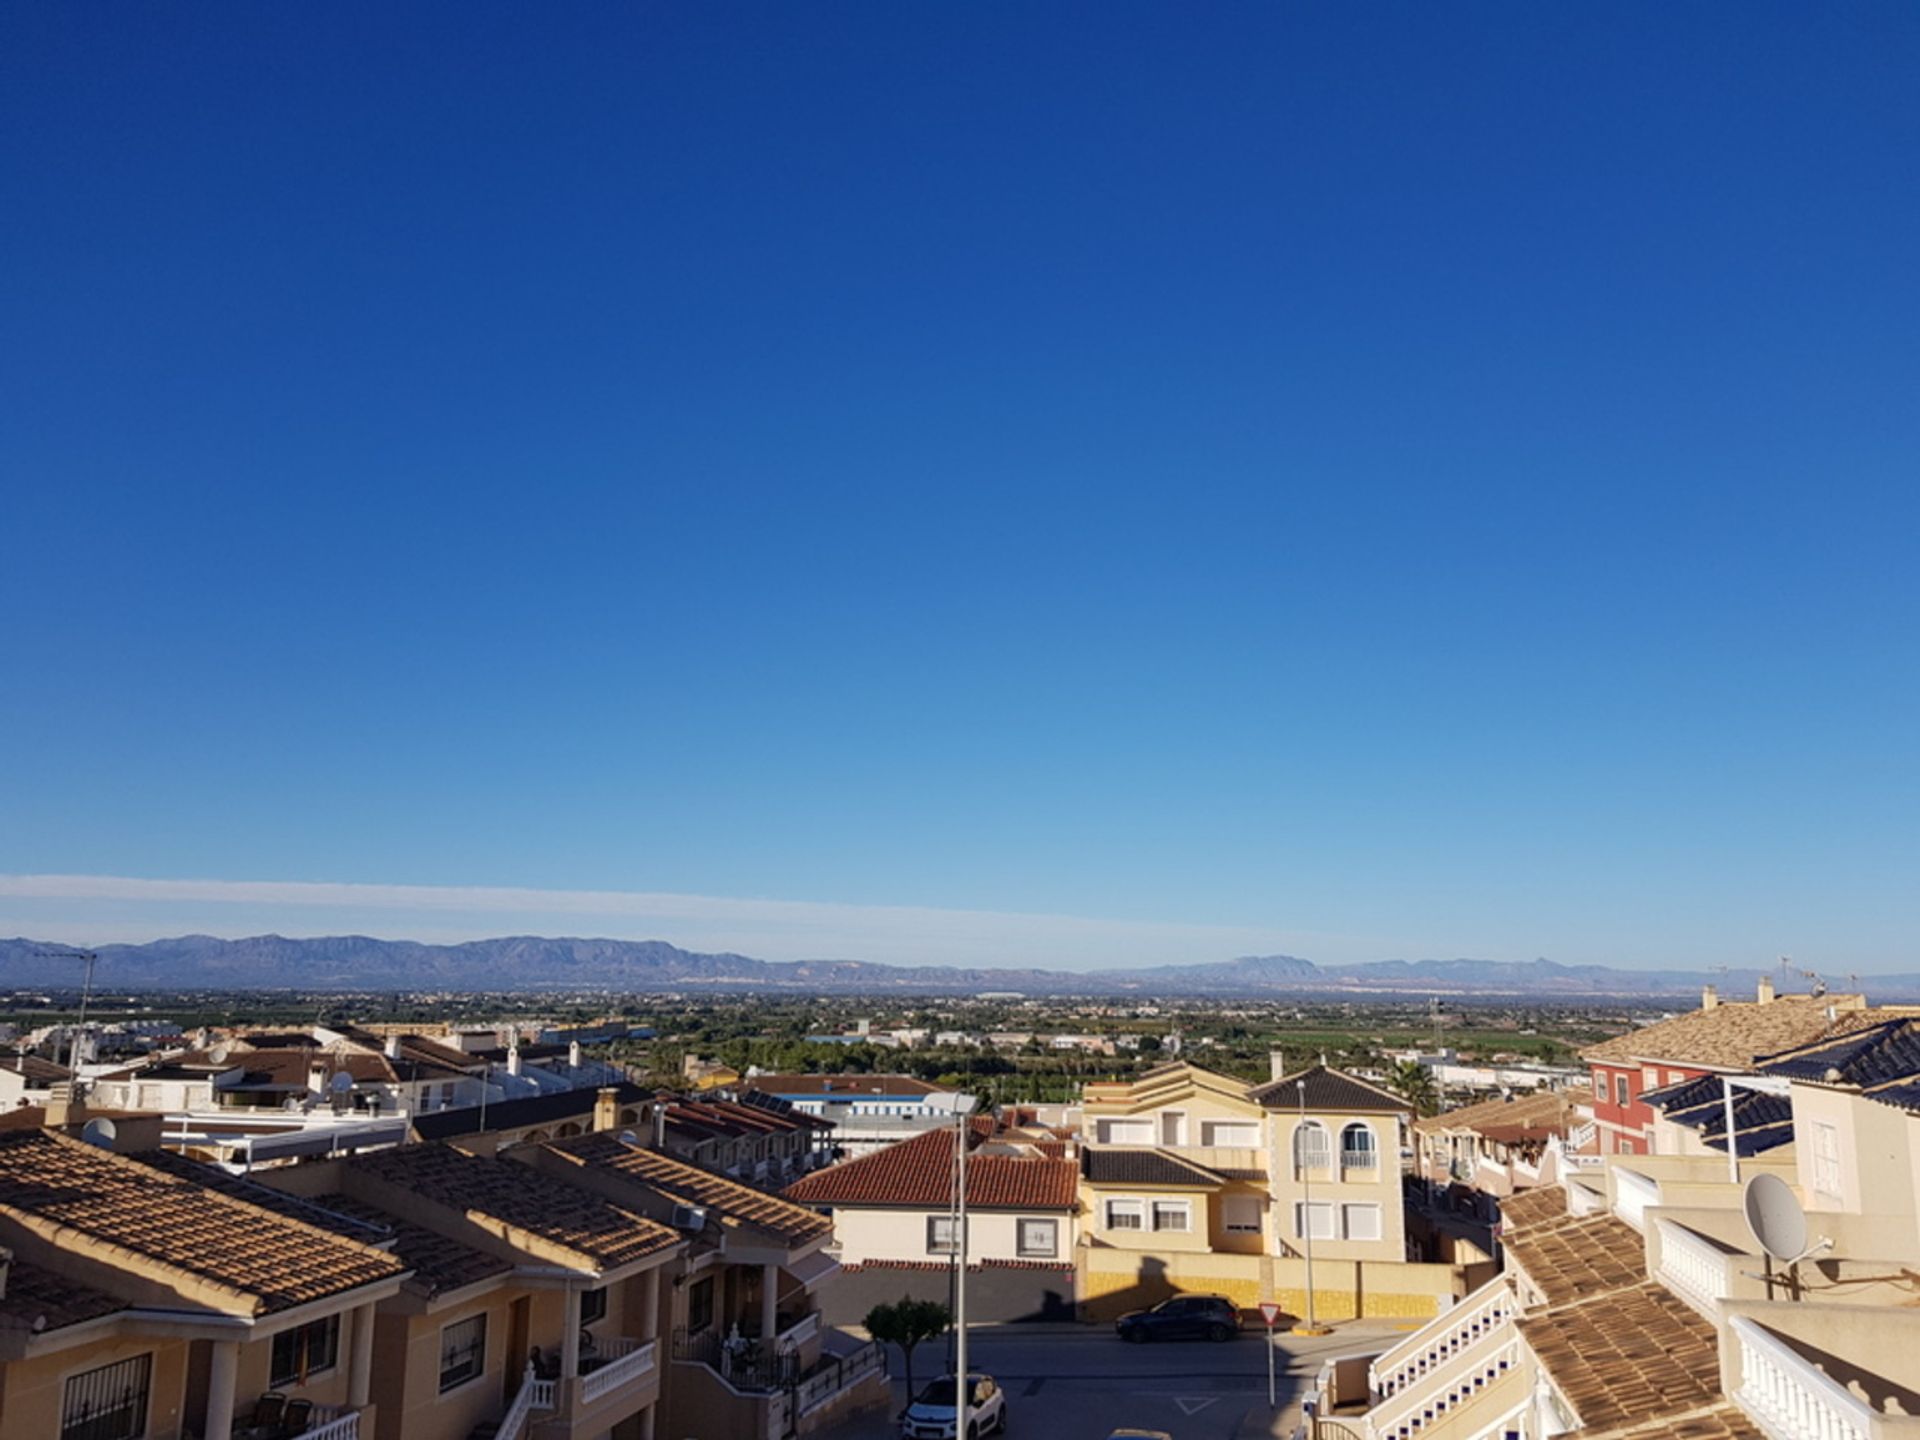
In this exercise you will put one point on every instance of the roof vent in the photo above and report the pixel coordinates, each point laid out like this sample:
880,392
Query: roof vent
689,1217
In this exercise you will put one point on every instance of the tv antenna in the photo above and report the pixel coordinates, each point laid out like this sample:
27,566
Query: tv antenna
1778,1223
90,959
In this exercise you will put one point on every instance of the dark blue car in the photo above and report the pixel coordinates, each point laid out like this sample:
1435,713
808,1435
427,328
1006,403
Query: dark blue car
1184,1317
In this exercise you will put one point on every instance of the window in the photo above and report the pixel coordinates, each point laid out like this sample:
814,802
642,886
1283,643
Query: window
1321,1213
1826,1159
1039,1239
1241,1134
1360,1222
942,1235
700,1306
593,1305
1310,1146
1172,1215
1619,1089
1650,1077
109,1403
1126,1132
308,1350
1126,1215
1358,1150
463,1351
1240,1214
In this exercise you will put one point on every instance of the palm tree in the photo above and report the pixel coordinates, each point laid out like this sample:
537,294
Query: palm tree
1413,1082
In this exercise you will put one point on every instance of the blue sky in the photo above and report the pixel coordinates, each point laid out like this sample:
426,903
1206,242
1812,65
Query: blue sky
1361,481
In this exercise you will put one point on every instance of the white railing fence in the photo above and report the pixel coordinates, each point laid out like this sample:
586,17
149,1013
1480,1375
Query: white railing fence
631,1359
1445,1393
344,1427
515,1420
1789,1398
1444,1337
1693,1267
1633,1193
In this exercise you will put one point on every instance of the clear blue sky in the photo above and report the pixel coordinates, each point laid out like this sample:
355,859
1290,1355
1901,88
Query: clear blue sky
1365,480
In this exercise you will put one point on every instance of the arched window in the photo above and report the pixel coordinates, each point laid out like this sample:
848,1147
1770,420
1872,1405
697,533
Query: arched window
1358,1149
1311,1147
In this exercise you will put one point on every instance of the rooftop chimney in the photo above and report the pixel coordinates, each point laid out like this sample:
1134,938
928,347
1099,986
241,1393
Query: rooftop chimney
513,1060
1709,997
573,1055
606,1108
317,1078
1276,1064
393,1047
659,1124
1765,990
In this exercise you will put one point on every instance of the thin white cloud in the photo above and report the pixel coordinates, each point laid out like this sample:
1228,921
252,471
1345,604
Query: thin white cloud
100,908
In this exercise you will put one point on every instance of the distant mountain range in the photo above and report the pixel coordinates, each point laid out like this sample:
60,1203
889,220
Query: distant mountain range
525,962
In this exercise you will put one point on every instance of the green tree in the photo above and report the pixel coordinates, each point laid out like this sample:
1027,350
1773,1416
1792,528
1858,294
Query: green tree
1413,1082
906,1323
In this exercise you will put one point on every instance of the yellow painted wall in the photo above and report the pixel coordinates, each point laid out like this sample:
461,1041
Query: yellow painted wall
1113,1281
35,1388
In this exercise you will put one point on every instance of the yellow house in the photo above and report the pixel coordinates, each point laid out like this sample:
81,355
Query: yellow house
1193,1181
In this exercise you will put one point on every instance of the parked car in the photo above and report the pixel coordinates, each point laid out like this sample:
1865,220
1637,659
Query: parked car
931,1415
1184,1317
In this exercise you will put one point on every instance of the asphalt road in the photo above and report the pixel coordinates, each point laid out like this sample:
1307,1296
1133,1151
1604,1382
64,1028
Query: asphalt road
1072,1383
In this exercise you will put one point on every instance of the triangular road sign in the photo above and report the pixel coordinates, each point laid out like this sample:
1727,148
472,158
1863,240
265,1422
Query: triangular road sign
1191,1405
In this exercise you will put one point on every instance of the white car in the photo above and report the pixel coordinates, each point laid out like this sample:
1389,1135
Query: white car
931,1415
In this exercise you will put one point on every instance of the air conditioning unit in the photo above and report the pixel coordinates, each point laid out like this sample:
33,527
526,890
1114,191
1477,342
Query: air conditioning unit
689,1217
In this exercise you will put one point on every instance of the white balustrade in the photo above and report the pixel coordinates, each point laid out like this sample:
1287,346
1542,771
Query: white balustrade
1443,1393
1632,1194
346,1427
631,1359
1789,1398
515,1420
1444,1337
1693,1267
544,1397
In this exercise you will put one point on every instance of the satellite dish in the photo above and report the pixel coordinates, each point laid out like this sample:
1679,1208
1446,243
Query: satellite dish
627,1137
99,1133
219,1053
1775,1217
341,1083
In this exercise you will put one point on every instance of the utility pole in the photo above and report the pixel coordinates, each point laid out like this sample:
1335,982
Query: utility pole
86,994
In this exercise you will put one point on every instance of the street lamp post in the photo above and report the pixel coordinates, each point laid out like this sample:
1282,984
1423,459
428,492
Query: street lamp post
962,1107
1312,1327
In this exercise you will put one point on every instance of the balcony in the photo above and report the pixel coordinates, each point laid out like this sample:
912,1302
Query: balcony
342,1425
1633,1195
621,1362
1697,1268
1791,1396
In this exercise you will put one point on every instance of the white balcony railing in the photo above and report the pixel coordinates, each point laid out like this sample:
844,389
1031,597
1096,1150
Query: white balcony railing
1444,1337
630,1360
545,1393
1632,1194
802,1330
514,1422
1693,1267
1443,1393
1789,1398
344,1427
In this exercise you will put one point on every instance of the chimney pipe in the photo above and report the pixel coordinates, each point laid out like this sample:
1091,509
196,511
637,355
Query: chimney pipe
606,1108
1765,990
573,1055
659,1124
1709,998
393,1047
513,1060
1276,1064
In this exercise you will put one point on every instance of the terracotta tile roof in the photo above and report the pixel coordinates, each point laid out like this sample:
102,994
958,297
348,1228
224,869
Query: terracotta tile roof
38,1300
689,1184
1722,1422
1533,1209
438,1263
1328,1090
1130,1165
1589,1257
711,1115
1634,1356
918,1174
554,1109
1550,1108
252,1192
501,1196
1734,1034
34,1070
168,1228
844,1087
